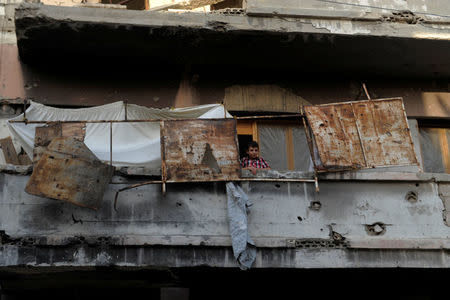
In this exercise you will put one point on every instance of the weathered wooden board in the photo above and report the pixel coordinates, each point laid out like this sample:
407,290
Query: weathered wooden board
69,171
263,98
199,150
362,134
9,151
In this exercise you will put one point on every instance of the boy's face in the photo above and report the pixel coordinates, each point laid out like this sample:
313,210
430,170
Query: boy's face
253,152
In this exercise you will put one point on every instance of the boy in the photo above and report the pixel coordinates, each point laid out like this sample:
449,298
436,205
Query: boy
252,161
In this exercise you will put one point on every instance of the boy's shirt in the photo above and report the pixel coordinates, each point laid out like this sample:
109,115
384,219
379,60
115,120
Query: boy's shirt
258,163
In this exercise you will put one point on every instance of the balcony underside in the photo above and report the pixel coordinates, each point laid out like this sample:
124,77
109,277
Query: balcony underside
86,37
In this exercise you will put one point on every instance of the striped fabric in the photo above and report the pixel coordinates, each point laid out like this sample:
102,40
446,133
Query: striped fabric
258,163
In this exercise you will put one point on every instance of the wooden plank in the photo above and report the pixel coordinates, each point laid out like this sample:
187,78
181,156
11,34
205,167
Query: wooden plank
9,151
255,132
290,148
262,98
444,145
200,150
245,127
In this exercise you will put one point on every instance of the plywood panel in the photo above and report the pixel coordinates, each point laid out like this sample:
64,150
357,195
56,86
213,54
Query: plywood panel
200,150
262,98
362,134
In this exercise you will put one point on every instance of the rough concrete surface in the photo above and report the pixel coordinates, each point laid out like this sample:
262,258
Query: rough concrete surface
431,9
286,225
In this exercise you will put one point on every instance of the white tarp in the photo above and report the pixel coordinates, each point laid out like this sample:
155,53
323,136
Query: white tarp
133,143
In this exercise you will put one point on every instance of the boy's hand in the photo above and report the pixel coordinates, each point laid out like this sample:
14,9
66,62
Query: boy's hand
253,170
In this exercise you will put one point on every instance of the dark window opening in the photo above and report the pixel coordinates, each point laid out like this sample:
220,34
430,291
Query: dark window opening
243,140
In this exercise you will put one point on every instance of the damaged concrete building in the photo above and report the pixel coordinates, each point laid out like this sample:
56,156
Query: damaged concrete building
123,122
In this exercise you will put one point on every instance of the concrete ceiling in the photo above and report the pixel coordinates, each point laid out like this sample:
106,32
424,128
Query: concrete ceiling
85,37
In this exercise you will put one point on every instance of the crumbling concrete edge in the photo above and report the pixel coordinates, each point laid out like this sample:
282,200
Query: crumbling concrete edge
31,14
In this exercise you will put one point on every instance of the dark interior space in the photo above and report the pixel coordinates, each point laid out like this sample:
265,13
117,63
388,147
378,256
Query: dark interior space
243,140
219,283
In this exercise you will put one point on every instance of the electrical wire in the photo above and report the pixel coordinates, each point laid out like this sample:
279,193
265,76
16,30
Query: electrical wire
385,8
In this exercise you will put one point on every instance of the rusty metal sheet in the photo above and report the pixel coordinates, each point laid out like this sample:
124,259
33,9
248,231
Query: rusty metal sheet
75,130
199,150
45,134
69,171
361,134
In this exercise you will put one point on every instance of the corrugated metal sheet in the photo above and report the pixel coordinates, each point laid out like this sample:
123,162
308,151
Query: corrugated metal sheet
361,134
69,171
199,150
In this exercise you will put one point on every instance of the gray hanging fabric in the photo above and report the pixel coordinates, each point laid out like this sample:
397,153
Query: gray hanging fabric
244,249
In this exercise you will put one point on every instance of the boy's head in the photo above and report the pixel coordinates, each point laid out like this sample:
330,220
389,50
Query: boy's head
253,150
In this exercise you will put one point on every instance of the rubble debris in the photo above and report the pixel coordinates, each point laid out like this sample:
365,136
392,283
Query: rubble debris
69,171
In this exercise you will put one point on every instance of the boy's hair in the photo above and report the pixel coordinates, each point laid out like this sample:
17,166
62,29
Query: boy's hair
252,144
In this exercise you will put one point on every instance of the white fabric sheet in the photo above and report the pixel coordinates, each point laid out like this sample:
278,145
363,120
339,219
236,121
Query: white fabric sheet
133,143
